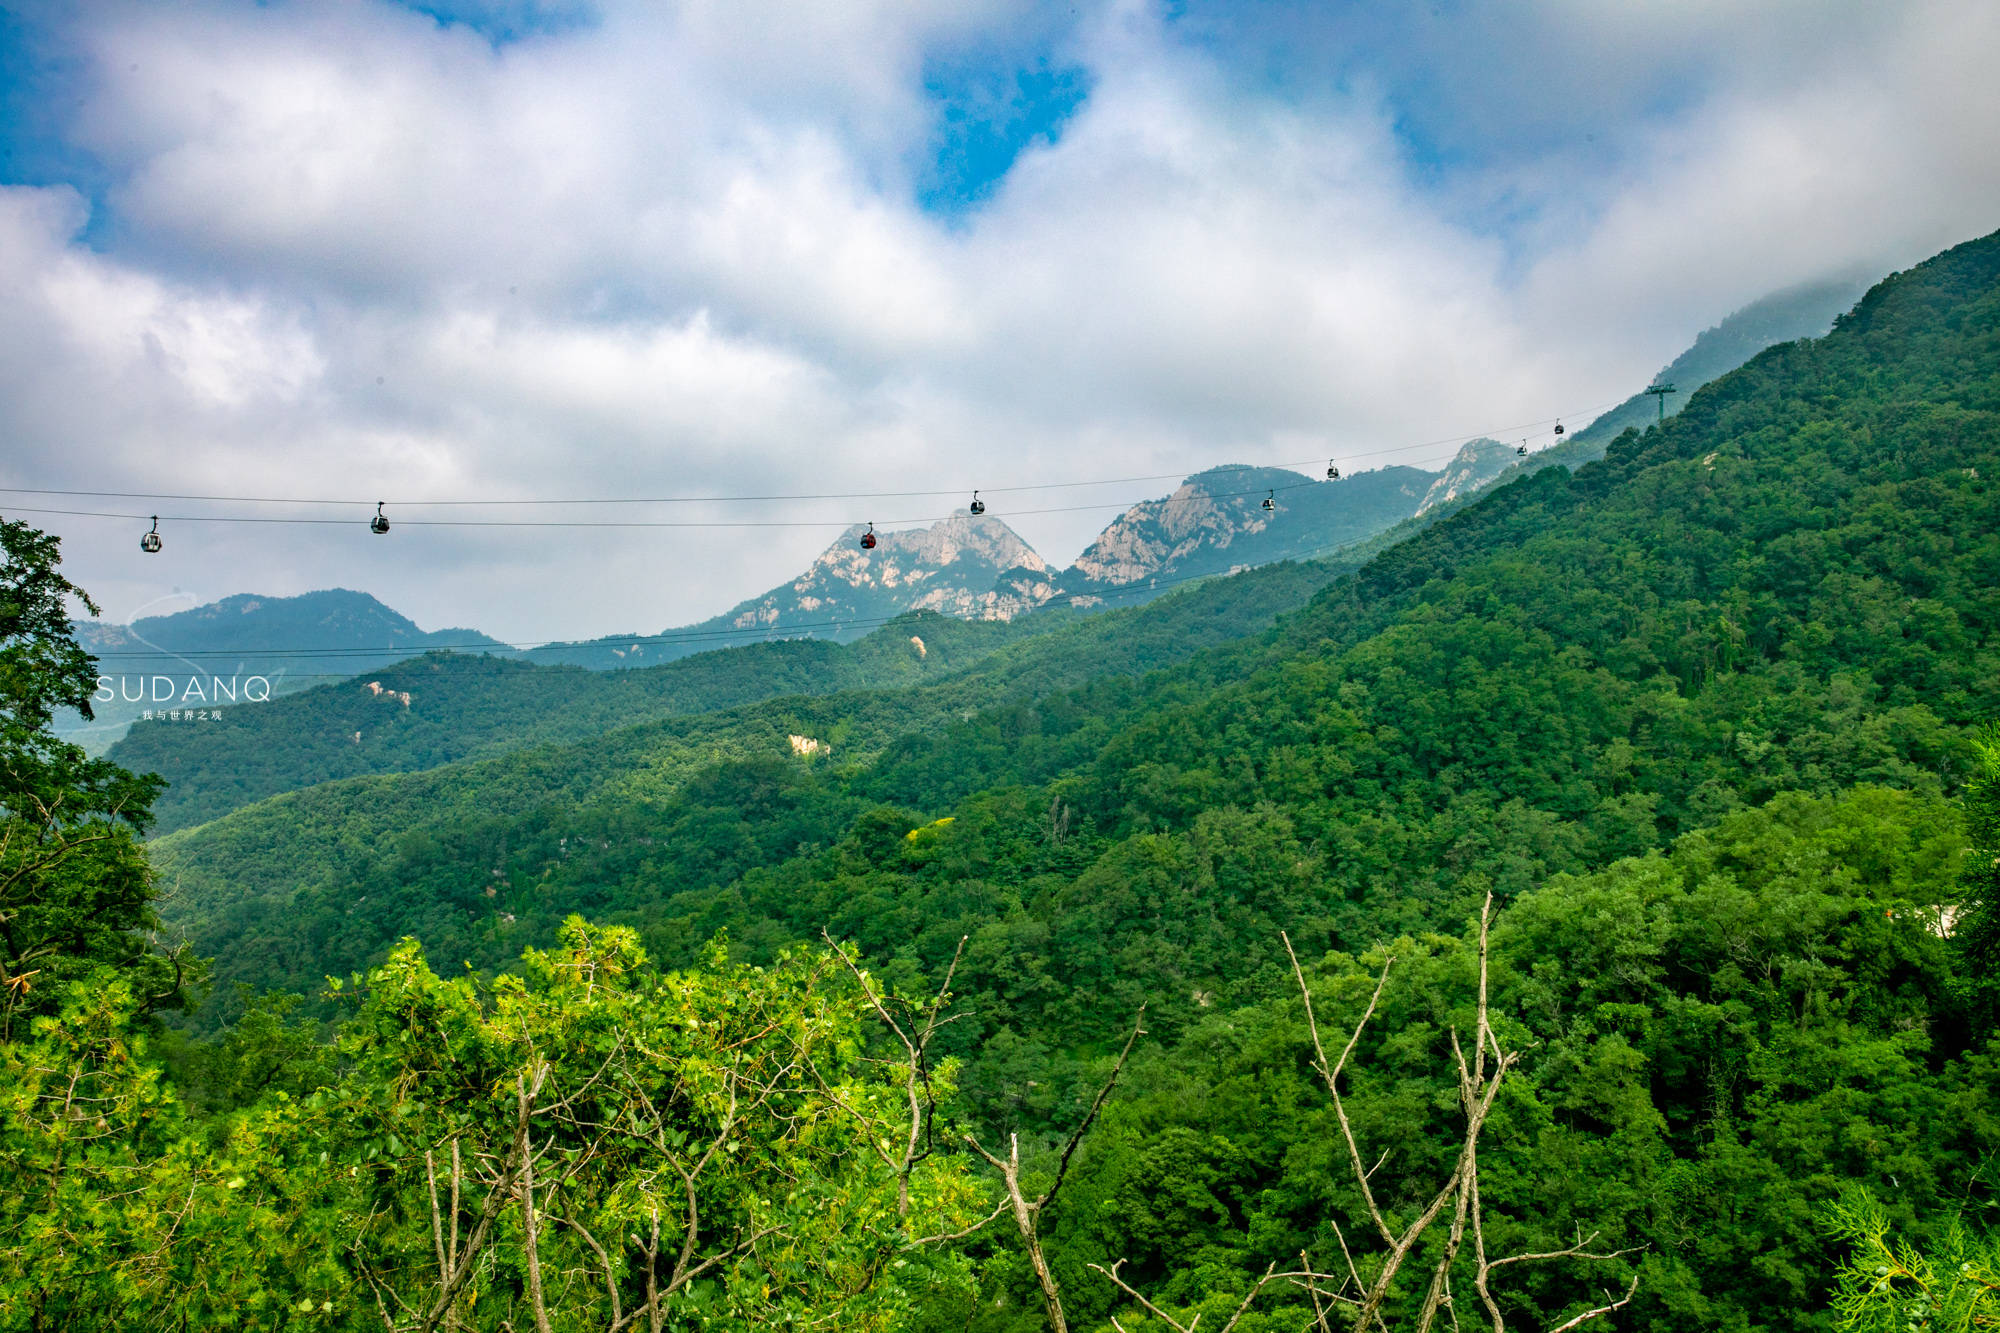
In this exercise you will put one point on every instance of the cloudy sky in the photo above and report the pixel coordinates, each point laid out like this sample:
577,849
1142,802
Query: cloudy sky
351,249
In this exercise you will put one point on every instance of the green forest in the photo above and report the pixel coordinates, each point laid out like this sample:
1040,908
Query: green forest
1579,910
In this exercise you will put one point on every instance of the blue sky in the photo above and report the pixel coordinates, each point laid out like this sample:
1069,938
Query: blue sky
985,113
531,249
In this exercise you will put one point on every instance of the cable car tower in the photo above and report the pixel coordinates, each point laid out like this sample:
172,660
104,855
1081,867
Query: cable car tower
1660,391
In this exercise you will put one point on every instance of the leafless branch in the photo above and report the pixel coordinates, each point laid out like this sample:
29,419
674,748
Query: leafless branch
1090,1116
975,1228
1589,1315
603,1262
916,1065
1330,1073
1270,1275
1479,1078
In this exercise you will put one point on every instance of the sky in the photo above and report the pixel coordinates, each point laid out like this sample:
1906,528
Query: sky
354,250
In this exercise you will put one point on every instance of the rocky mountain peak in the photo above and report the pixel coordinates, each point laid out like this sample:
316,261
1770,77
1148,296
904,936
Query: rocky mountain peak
914,556
1476,463
955,567
1209,511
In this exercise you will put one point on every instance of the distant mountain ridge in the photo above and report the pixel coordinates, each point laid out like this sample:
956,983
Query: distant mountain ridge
977,567
1477,463
1215,523
1806,311
249,623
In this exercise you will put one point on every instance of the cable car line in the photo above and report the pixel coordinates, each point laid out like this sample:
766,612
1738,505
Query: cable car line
151,541
775,498
380,524
785,634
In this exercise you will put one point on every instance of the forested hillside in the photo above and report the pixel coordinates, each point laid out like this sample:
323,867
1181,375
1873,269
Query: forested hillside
420,713
444,707
1632,826
1790,586
436,841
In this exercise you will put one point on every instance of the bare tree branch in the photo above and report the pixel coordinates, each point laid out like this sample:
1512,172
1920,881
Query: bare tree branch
1331,1075
1589,1315
1027,1212
1479,1082
916,1072
1090,1116
975,1228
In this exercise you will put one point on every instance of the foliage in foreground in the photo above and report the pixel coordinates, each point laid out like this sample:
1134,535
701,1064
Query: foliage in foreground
590,1144
76,892
1889,1285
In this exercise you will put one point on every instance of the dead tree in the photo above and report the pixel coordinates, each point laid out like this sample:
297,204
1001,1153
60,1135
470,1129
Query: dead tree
914,1072
919,1024
1028,1212
1356,1301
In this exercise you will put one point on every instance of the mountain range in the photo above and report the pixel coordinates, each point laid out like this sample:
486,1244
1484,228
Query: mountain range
248,648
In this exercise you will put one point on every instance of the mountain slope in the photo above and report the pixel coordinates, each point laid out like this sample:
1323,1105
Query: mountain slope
1797,312
240,879
442,707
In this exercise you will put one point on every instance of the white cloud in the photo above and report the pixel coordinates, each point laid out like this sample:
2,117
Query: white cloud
353,252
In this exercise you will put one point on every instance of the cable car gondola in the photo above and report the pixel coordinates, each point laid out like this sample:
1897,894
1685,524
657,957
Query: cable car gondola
1332,472
868,538
1522,448
150,543
978,506
380,523
1270,502
1559,428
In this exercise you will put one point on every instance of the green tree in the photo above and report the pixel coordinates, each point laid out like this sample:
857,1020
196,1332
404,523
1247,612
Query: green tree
1979,924
75,891
112,1203
591,1144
